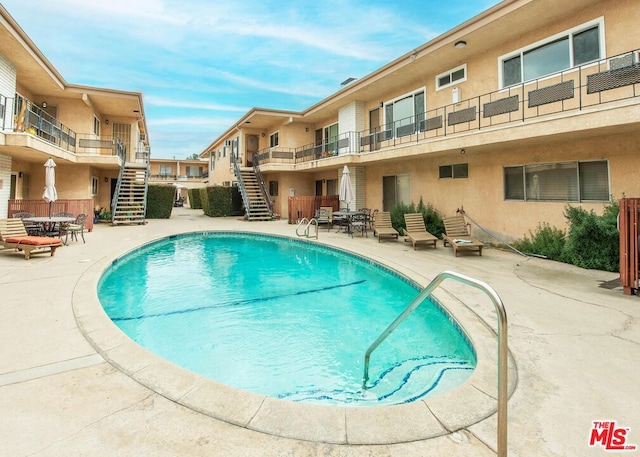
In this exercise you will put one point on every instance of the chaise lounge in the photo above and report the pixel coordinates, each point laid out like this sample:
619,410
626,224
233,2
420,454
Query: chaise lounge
382,227
458,236
13,236
416,231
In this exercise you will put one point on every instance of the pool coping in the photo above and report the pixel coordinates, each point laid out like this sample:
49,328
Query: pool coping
473,401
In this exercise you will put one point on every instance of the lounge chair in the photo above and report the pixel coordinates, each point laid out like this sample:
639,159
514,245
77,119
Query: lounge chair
325,216
458,236
382,227
13,236
416,231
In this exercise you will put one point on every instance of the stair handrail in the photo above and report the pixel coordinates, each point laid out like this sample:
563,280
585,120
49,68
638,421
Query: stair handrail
241,185
502,343
120,152
263,187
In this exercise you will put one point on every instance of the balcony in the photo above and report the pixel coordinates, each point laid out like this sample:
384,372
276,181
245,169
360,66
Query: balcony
33,120
588,87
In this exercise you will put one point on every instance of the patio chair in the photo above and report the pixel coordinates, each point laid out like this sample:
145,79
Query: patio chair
382,227
358,222
60,229
14,237
325,216
458,236
74,228
31,227
416,232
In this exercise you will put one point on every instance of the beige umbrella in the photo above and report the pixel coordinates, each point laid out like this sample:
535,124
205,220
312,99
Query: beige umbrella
346,192
50,194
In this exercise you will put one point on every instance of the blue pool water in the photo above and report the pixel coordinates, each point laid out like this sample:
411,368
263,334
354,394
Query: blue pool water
284,318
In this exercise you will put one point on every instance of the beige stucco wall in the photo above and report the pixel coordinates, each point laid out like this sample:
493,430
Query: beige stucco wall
481,195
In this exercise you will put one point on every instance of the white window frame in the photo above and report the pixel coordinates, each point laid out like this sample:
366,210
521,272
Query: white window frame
450,74
96,126
94,186
421,90
566,33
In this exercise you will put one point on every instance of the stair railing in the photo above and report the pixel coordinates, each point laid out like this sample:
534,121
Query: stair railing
116,193
241,185
502,343
263,187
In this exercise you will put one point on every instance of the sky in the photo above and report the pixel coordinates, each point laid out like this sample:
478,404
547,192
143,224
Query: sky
202,64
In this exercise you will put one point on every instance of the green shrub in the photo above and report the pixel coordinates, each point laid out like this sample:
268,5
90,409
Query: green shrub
221,201
593,241
160,201
432,220
195,202
547,241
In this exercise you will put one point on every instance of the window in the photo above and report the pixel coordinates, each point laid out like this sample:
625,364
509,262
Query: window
330,133
166,170
274,140
459,170
194,172
563,181
564,51
94,185
403,114
96,126
273,188
395,189
332,187
451,77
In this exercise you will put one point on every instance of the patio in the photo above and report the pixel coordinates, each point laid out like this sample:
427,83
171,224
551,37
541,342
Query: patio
575,343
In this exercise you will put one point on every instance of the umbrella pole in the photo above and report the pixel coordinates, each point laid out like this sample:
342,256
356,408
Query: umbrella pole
50,203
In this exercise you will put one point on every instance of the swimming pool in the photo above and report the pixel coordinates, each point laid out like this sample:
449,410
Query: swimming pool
210,302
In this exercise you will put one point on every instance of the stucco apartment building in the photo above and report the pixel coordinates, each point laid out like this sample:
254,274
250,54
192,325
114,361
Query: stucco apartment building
528,107
183,174
89,132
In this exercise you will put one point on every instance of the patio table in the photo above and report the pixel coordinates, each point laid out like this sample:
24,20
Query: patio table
48,224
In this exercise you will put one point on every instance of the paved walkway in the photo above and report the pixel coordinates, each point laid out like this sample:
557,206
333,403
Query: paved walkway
576,346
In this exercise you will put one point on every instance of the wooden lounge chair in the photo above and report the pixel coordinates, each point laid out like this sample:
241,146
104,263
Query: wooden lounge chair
382,227
458,236
13,236
416,231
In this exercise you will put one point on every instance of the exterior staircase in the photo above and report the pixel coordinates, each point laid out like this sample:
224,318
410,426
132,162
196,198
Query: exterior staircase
129,203
257,205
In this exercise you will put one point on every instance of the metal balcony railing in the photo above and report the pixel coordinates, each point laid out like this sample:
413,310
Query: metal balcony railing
610,80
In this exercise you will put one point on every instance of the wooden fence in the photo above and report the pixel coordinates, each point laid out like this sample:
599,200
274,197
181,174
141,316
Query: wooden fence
306,206
629,244
41,208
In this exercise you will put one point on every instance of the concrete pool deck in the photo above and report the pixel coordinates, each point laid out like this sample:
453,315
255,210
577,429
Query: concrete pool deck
576,345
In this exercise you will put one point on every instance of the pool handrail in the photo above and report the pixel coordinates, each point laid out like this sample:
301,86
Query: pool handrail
503,369
309,223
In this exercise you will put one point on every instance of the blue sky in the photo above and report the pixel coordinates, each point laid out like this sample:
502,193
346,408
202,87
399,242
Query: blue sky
202,64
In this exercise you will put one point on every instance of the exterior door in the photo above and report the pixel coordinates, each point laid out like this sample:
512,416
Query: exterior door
374,129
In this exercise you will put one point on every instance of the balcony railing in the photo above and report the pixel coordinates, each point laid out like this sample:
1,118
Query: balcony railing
168,178
613,79
34,120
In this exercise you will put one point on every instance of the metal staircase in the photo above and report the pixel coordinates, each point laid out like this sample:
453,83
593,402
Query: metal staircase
257,205
129,203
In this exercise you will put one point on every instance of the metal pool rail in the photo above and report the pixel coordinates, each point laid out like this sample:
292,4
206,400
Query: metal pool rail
502,343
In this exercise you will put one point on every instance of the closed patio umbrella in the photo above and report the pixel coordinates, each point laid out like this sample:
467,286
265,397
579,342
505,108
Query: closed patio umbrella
50,194
346,192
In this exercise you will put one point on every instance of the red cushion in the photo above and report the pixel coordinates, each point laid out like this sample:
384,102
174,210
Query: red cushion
33,240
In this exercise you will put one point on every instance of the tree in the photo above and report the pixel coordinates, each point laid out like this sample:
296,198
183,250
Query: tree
193,156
